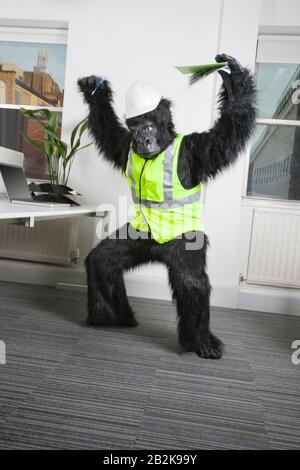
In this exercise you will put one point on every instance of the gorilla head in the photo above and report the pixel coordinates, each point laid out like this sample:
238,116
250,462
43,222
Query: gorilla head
149,119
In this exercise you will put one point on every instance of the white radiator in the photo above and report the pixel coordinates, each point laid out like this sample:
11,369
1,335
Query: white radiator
48,242
274,257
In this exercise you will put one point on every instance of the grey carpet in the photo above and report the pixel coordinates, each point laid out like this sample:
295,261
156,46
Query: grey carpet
69,386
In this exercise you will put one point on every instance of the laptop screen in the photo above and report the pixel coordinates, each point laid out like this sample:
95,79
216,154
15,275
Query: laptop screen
15,182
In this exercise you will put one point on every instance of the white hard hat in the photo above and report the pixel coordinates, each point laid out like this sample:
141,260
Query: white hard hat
141,97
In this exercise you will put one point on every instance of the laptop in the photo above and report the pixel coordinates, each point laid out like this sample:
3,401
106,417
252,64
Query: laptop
18,191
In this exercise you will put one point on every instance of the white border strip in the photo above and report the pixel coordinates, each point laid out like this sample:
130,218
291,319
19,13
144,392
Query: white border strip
37,35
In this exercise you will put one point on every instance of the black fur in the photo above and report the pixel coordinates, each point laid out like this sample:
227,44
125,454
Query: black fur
202,156
112,139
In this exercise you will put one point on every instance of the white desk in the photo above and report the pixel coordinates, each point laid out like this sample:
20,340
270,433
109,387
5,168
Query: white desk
22,214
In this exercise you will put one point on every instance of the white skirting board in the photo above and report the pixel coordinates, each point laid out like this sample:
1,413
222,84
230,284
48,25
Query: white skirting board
270,299
137,284
274,300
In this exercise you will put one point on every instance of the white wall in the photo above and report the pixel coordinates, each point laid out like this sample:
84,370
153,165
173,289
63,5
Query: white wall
137,39
239,32
280,13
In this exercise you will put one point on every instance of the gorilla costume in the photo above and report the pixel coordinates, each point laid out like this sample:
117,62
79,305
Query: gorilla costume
149,135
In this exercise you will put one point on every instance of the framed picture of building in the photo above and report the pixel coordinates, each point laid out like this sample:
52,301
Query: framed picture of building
32,75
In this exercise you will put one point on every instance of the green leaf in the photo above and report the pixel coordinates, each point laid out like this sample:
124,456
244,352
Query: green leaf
84,146
52,134
49,147
53,123
32,142
63,149
73,150
84,127
74,132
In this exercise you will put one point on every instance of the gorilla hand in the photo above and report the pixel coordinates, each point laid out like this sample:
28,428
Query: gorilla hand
229,78
92,86
233,64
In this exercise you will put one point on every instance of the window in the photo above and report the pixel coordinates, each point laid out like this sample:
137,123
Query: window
32,75
274,167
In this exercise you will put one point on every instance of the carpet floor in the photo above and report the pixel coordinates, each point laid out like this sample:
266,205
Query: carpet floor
69,386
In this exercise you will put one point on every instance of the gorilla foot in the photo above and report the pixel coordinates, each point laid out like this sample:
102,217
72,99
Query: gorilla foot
207,347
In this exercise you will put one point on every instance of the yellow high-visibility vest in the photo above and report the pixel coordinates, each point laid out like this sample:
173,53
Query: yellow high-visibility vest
162,205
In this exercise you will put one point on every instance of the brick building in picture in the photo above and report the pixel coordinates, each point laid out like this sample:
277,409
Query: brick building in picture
35,88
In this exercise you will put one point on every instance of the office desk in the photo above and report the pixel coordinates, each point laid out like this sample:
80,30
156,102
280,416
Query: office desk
26,215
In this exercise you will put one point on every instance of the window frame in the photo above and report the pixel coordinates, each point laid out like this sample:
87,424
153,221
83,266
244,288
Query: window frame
269,200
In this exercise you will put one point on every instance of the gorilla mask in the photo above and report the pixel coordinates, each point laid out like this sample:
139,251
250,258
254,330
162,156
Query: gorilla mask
144,135
152,132
148,119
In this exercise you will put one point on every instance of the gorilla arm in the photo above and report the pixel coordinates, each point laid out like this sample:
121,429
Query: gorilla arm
112,139
204,155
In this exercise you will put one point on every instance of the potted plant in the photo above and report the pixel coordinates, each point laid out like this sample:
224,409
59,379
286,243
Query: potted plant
59,155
